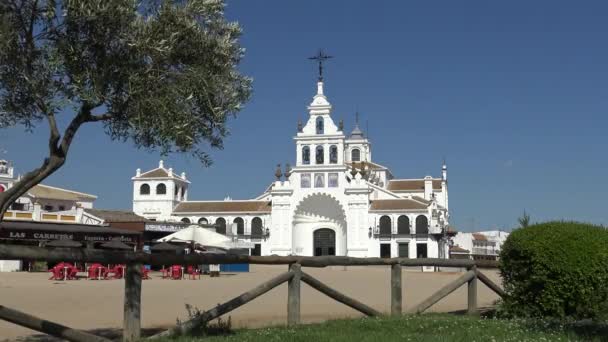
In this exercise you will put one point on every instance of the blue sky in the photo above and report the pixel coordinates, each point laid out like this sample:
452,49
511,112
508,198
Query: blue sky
513,94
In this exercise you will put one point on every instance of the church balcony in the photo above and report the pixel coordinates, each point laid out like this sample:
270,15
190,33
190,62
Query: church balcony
255,237
385,235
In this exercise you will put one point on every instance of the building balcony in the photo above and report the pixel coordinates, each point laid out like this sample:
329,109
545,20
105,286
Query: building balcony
255,237
484,251
384,236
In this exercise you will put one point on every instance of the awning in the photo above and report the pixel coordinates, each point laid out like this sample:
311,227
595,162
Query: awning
64,243
205,238
42,231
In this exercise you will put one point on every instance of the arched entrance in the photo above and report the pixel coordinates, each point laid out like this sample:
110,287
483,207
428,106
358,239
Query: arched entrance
319,226
324,242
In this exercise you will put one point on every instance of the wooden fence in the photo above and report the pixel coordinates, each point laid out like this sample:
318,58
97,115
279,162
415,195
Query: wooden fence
294,277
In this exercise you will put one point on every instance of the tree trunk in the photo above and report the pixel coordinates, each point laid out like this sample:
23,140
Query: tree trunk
58,151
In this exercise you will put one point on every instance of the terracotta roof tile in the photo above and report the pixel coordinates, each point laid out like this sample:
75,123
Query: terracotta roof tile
420,199
458,249
479,237
156,173
224,207
397,204
411,184
116,215
50,192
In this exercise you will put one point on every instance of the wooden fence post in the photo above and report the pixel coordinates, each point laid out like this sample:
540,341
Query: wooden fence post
472,293
132,310
293,295
396,300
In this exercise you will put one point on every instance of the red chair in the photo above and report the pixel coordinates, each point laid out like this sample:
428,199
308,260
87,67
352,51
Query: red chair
57,273
176,272
98,271
63,271
193,273
118,272
72,273
145,273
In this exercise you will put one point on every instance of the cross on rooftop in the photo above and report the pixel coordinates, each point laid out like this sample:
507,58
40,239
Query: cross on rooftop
320,58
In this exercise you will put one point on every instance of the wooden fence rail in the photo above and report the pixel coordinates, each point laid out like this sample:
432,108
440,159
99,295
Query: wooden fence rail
294,277
15,252
47,327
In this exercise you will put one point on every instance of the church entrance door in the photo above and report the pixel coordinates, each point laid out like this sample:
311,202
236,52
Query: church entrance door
256,250
385,250
324,242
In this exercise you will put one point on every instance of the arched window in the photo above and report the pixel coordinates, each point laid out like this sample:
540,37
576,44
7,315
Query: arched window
306,155
333,154
320,125
203,220
240,226
403,225
319,155
256,227
221,226
183,196
355,155
385,225
186,220
161,189
422,225
144,189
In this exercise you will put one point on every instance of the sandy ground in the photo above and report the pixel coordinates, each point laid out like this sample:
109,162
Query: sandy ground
87,304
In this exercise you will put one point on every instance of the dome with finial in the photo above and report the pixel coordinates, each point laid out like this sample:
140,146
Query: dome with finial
356,133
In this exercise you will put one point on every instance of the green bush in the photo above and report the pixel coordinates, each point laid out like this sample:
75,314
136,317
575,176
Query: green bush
556,269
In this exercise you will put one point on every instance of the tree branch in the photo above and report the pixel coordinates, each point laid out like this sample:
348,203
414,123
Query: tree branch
54,134
28,181
100,117
84,115
57,154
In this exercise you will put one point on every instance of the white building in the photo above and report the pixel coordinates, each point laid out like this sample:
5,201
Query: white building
476,245
44,202
335,201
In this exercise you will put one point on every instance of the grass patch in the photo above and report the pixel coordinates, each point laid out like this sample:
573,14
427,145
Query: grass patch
429,327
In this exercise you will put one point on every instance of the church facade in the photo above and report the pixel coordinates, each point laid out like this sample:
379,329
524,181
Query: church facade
334,201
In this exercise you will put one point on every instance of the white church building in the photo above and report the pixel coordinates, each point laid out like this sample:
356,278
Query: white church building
334,201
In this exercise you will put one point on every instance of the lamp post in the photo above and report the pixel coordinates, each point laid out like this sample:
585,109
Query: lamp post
267,233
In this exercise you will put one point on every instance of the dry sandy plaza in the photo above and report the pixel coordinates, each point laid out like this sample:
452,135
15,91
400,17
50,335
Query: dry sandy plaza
98,304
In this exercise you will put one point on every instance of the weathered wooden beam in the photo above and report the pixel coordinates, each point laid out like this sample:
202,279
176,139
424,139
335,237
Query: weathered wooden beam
293,295
472,293
15,252
328,291
444,291
492,285
189,326
47,327
132,308
396,300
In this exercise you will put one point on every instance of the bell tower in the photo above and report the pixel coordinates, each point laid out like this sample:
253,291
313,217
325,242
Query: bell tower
358,147
158,191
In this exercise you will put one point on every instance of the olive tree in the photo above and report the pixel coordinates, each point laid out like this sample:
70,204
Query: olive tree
161,74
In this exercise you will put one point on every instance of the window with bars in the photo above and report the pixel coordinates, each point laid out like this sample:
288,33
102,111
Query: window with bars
305,180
